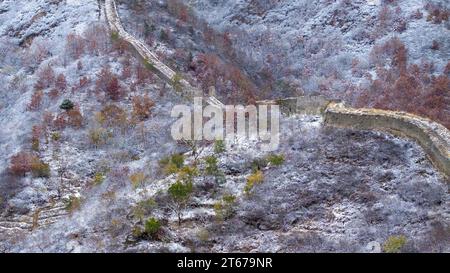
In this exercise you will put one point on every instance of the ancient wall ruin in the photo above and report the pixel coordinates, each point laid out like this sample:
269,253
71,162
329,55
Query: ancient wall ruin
433,137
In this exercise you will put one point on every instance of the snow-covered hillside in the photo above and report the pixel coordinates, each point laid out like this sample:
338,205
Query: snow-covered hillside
325,36
87,160
351,50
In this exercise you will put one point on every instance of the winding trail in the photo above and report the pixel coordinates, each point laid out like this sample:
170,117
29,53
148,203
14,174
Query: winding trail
116,27
150,58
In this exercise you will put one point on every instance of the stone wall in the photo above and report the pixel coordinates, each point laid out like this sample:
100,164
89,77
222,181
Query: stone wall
431,136
307,105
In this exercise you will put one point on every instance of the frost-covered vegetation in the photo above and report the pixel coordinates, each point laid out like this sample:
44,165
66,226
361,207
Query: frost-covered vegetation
385,54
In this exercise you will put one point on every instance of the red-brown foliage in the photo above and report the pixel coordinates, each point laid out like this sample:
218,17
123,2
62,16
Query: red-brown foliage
435,103
75,46
447,69
36,100
74,118
226,78
120,46
113,116
142,106
113,88
435,45
126,72
108,83
417,15
53,94
384,16
208,35
400,25
143,74
37,131
437,13
126,69
393,49
60,121
179,10
413,89
47,118
96,39
400,57
61,83
83,82
38,53
103,79
45,78
21,163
